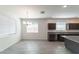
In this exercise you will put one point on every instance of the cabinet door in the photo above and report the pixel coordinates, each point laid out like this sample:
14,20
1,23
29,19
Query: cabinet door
73,26
51,26
51,37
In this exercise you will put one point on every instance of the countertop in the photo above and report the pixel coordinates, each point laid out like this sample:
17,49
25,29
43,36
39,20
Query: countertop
63,30
73,38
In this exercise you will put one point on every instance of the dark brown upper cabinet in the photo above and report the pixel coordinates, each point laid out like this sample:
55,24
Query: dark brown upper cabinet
51,26
73,26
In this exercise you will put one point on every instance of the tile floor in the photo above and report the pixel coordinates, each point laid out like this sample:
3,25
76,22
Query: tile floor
37,47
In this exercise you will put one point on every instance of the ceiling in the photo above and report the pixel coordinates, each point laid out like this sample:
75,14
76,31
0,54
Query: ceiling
53,11
34,11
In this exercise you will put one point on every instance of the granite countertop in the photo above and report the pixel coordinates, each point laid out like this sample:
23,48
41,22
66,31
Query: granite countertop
63,30
73,38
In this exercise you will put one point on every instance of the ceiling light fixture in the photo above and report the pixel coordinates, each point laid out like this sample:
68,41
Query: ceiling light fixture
64,6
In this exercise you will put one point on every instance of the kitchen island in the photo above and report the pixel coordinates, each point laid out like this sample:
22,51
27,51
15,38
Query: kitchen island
72,43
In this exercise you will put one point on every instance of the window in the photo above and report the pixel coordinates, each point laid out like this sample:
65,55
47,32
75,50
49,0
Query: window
60,26
32,27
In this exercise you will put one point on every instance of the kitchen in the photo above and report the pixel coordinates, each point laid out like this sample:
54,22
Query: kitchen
37,28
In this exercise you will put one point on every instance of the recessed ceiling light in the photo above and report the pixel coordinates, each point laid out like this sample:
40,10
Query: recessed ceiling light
64,6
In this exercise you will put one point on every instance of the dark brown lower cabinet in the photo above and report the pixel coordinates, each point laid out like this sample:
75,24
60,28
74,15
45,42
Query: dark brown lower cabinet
55,37
59,36
51,37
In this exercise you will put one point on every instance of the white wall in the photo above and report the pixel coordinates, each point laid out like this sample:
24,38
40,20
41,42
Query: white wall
42,27
42,31
10,39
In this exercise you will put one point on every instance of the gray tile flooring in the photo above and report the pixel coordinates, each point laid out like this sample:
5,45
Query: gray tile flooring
37,47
